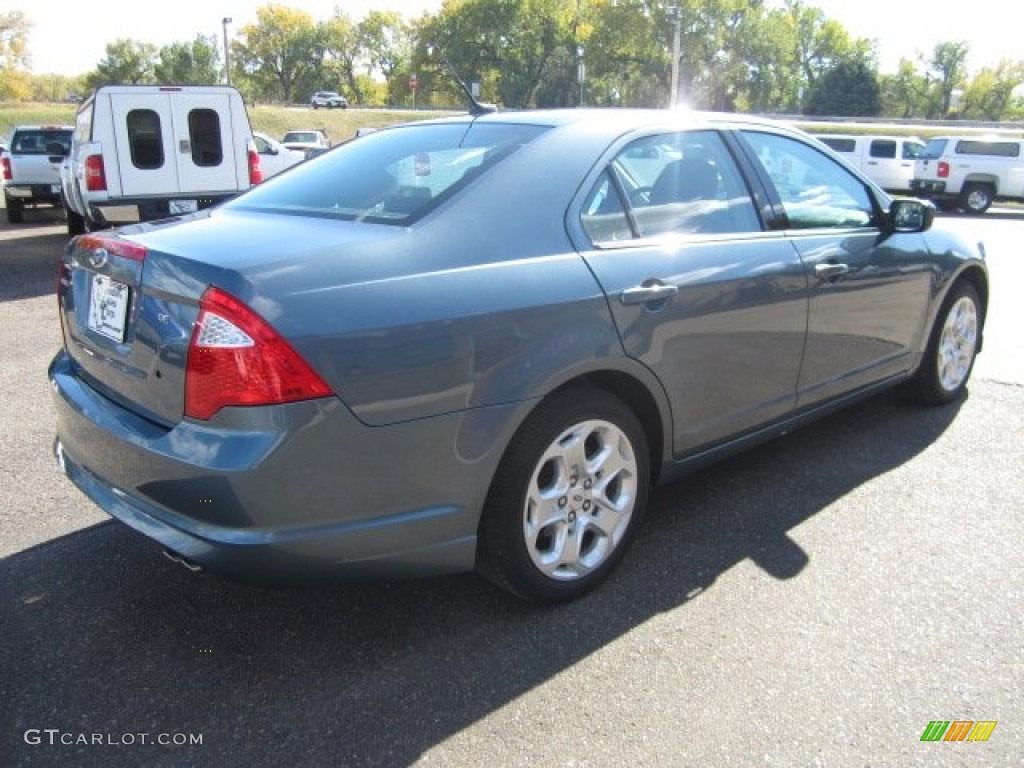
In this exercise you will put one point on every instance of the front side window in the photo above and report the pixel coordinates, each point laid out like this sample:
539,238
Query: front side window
815,191
145,142
912,150
204,136
677,183
392,176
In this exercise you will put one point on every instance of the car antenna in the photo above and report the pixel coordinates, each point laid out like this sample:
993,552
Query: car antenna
476,107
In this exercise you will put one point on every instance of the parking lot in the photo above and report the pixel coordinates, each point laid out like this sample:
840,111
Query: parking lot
817,601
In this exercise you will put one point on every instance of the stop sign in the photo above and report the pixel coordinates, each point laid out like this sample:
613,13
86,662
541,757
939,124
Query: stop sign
413,82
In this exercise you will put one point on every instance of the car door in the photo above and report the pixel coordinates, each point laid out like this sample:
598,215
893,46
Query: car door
869,291
711,303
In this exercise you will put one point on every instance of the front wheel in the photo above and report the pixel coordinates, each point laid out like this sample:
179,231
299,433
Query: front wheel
977,198
566,499
949,358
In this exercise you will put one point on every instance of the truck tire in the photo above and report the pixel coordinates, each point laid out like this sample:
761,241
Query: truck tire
76,223
15,210
977,198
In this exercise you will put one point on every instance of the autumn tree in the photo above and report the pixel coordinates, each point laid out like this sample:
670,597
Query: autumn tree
279,50
15,83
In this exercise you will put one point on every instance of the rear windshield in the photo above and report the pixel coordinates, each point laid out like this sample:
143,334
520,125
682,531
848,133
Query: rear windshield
393,176
33,141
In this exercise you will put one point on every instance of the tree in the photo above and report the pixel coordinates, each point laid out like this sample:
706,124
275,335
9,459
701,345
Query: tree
849,89
990,94
343,46
127,61
195,63
279,50
15,83
949,63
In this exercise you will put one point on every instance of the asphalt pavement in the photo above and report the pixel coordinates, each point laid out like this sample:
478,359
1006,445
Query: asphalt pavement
817,601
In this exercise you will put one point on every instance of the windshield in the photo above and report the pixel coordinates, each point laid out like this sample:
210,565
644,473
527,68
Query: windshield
299,136
933,149
393,176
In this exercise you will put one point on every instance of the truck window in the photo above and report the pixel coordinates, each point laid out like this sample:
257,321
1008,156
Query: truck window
840,145
144,139
997,148
883,148
204,134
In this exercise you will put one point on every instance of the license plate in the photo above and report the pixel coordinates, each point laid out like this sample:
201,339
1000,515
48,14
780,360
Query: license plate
183,206
108,307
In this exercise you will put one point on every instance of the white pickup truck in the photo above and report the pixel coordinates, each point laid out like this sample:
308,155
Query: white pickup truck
970,172
31,167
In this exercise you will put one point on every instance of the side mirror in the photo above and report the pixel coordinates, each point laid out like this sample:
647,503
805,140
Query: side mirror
57,149
910,215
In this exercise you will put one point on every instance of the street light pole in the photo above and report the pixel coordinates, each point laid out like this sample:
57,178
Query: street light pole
227,54
581,70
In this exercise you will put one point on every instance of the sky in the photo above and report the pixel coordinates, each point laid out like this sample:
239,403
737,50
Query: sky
72,40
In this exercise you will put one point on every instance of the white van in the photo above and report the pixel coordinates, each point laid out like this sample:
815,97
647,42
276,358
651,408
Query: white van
970,172
144,152
886,160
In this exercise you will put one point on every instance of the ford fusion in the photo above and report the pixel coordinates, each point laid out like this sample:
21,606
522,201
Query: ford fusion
477,342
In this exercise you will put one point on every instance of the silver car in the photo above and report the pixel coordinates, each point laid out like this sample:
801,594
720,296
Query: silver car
477,342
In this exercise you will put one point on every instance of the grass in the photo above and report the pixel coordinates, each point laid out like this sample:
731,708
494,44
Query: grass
339,124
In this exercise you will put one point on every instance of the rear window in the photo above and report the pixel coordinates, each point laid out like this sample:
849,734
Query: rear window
839,145
995,148
393,176
145,145
204,135
33,141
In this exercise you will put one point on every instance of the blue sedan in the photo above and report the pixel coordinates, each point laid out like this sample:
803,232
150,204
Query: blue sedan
477,342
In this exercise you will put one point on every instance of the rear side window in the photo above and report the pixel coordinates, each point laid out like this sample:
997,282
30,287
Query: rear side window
996,148
145,143
884,148
840,145
670,184
33,141
204,135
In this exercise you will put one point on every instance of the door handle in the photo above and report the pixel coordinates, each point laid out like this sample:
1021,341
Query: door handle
648,293
830,270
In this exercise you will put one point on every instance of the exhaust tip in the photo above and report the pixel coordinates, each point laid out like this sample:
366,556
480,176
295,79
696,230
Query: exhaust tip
174,557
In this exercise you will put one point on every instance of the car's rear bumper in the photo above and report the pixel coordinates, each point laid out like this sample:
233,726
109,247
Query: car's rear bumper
928,188
34,193
292,494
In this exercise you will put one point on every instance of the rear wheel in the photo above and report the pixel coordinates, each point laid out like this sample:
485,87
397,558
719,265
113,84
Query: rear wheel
566,499
76,222
952,348
15,210
977,198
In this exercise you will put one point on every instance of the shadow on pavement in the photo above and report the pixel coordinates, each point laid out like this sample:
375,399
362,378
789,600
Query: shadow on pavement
30,252
104,636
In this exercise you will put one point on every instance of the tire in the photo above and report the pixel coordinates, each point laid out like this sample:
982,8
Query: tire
566,499
977,198
316,106
76,223
949,359
15,210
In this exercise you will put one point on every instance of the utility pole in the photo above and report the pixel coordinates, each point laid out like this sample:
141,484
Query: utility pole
673,97
227,54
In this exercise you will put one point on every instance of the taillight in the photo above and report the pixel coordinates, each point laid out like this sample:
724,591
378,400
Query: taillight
236,358
112,245
95,175
943,170
255,174
8,173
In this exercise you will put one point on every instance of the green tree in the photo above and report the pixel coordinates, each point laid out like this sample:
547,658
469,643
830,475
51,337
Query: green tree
849,89
276,52
990,93
15,83
195,63
949,64
127,62
342,46
905,94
